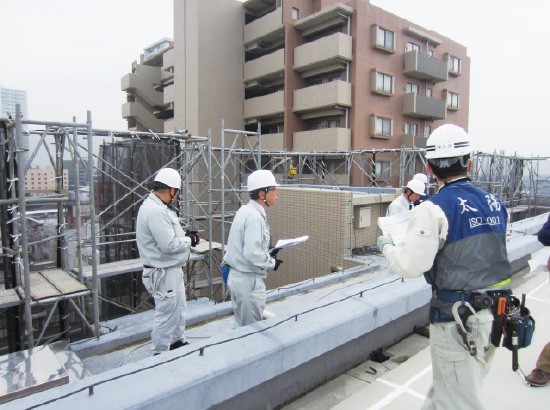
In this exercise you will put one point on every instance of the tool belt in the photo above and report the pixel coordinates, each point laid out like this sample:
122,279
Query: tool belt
513,324
512,320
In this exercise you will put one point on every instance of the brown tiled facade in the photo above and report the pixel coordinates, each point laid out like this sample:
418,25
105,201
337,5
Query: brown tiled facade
398,78
330,218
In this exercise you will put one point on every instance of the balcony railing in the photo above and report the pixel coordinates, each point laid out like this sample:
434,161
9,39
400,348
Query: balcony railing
416,105
326,139
336,94
265,106
267,68
424,67
267,29
270,142
330,51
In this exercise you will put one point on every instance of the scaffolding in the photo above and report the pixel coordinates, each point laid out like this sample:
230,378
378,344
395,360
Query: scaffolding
93,236
96,222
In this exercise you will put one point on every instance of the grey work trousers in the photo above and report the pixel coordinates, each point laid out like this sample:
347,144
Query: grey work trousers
247,297
457,375
169,294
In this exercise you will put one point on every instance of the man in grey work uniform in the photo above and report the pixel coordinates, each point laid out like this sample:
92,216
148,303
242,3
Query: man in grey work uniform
164,250
248,253
457,239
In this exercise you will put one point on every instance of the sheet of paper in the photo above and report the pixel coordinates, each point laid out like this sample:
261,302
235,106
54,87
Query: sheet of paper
283,243
395,225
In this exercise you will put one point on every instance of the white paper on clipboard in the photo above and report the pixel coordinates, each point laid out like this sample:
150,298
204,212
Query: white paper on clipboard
283,243
395,225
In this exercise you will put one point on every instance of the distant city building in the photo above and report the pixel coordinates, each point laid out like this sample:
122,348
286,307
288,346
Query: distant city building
9,99
82,172
42,181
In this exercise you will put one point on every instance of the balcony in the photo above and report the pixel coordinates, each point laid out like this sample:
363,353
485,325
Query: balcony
424,67
416,105
265,70
264,32
270,142
270,105
414,141
329,53
327,18
335,95
143,116
327,139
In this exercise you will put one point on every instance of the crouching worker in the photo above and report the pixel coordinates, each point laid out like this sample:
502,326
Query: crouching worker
164,249
248,253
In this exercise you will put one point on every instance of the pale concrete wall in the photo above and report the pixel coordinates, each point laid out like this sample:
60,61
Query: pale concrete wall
208,66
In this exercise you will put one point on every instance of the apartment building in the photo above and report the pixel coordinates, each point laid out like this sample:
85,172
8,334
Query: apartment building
43,181
314,75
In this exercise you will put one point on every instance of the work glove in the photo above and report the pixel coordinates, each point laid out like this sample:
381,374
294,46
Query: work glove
277,263
274,251
194,235
384,240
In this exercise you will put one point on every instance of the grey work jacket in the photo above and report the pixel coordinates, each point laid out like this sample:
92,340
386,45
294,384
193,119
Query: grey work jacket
248,242
160,238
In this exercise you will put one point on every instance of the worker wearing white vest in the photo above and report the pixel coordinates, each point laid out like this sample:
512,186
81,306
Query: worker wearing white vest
248,253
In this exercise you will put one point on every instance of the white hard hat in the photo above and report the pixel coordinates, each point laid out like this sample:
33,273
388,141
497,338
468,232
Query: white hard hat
421,177
416,186
261,178
170,177
448,141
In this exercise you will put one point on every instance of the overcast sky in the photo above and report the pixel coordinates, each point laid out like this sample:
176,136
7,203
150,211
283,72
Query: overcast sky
70,56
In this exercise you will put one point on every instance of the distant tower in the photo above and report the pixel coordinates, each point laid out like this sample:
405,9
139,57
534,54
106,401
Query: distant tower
8,100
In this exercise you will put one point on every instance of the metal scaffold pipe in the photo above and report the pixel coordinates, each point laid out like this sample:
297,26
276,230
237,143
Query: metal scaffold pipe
22,223
93,234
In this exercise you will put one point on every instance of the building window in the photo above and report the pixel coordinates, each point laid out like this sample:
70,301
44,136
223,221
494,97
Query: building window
381,126
411,88
454,64
430,53
383,39
382,83
427,131
382,169
295,13
412,47
452,100
410,128
429,92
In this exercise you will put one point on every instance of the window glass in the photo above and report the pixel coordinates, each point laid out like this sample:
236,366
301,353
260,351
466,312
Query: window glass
454,64
452,100
412,88
412,46
384,38
384,82
410,128
382,169
383,126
